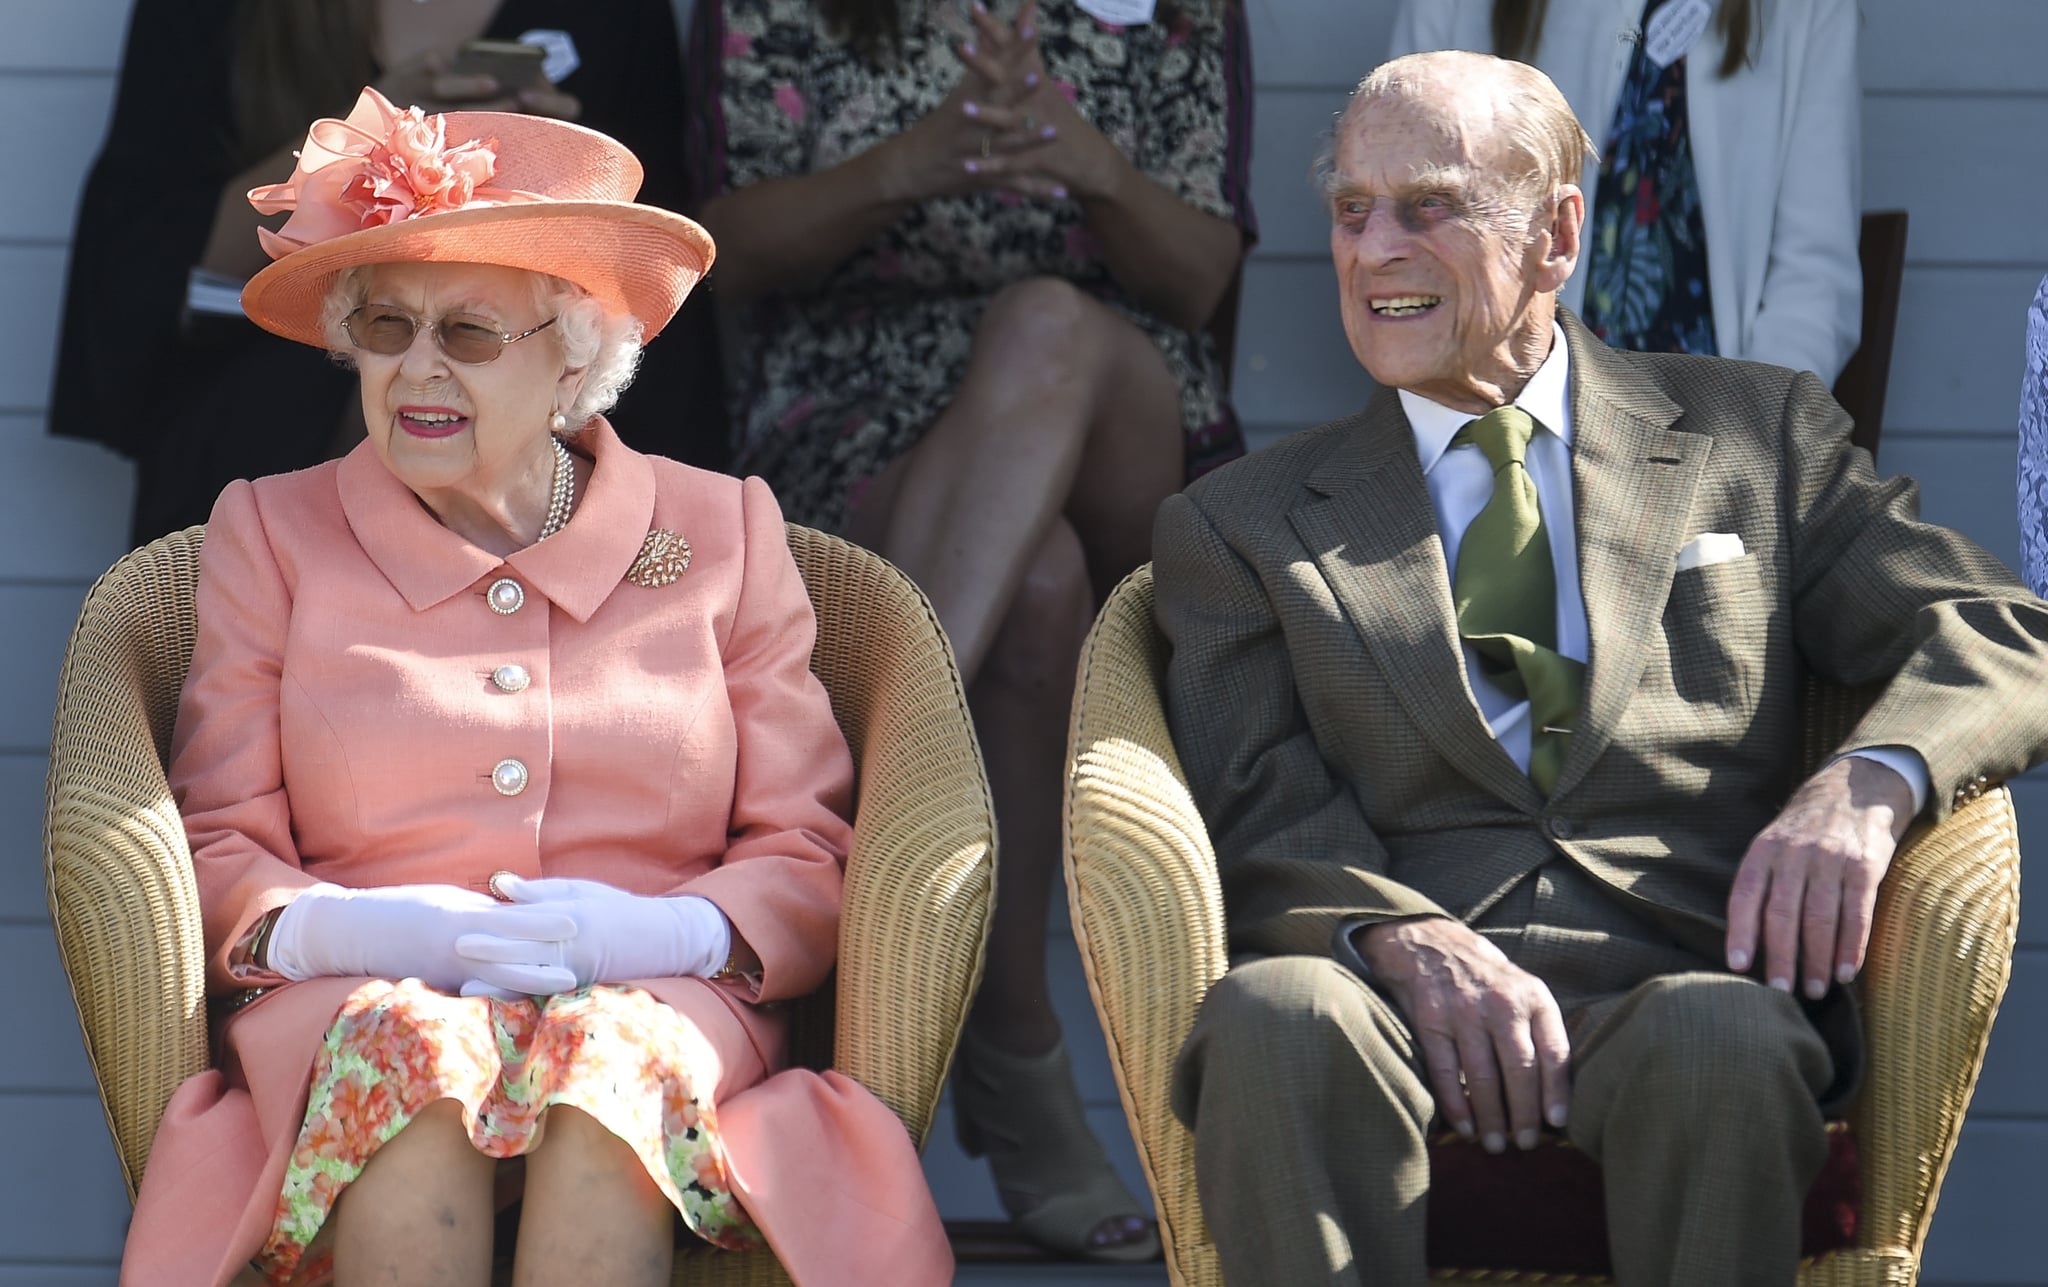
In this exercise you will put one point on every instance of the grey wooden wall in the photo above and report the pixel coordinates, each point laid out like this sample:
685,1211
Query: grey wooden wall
1956,108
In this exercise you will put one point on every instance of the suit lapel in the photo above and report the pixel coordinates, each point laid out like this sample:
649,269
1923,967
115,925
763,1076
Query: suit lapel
1370,528
1633,478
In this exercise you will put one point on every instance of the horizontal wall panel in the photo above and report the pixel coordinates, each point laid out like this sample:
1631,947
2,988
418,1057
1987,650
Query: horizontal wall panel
70,121
2012,1083
1294,366
64,34
28,333
49,1052
2030,802
21,838
1960,351
64,508
1987,1227
1318,42
35,624
1974,45
1985,206
67,1275
71,1205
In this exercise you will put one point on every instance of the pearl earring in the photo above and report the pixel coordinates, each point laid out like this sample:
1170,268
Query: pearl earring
558,422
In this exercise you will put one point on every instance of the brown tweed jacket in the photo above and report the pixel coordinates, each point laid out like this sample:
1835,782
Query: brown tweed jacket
1318,696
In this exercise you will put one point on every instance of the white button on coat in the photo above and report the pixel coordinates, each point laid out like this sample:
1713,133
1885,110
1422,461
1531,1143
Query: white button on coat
509,777
505,596
511,678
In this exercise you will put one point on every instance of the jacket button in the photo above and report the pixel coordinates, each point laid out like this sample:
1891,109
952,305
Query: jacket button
511,678
1561,828
505,596
509,777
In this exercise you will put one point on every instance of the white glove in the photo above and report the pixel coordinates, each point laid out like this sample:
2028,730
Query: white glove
618,936
399,932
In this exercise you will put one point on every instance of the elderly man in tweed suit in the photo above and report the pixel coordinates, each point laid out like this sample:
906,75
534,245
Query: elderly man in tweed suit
1490,697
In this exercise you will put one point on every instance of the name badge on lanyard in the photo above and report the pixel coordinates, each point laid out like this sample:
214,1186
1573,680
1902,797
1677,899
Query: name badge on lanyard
1674,28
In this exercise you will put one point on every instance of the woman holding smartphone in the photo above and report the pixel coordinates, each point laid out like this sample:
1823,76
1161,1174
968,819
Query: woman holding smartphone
972,261
213,97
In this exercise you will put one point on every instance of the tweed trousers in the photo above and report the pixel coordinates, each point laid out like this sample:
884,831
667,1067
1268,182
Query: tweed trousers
1696,1090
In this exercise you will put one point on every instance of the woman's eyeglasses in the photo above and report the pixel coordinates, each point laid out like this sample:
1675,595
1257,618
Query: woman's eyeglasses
469,340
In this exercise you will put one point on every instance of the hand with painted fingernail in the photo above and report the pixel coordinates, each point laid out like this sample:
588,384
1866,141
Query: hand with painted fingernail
1806,890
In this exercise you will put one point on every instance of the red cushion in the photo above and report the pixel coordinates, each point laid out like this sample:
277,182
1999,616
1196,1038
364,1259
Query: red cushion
1542,1211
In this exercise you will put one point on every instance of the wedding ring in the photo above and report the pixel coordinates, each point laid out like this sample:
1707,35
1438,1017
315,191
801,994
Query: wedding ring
987,141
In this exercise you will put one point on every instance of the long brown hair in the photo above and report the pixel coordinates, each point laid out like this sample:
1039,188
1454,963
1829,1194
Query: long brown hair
294,61
1518,27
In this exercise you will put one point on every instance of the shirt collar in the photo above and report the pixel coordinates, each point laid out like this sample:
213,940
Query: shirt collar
576,569
1547,397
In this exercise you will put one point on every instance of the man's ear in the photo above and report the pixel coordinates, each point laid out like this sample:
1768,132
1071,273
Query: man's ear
1567,222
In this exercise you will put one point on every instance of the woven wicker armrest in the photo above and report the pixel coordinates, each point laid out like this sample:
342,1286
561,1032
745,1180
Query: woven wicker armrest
1146,908
119,877
1940,957
919,879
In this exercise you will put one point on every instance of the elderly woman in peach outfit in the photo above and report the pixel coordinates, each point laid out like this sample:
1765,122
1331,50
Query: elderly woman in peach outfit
512,800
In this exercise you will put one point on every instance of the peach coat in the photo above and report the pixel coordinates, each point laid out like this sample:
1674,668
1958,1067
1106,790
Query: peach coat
341,723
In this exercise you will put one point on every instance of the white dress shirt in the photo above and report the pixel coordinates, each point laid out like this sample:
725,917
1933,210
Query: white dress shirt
1460,483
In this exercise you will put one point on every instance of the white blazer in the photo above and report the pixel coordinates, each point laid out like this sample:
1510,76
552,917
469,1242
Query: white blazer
1777,148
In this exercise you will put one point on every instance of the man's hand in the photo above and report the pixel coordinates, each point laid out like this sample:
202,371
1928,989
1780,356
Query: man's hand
1492,1036
1809,881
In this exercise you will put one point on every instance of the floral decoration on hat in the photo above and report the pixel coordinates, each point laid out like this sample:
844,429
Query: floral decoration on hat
382,165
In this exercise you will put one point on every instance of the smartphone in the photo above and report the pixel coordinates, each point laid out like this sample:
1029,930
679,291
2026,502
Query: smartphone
513,65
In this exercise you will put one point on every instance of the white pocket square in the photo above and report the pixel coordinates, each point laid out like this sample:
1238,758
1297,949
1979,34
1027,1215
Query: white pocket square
1710,547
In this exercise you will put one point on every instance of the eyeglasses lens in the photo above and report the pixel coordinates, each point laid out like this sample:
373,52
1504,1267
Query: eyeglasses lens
469,340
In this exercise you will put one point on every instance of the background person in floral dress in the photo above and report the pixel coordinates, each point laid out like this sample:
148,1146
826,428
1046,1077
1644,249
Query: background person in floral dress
970,260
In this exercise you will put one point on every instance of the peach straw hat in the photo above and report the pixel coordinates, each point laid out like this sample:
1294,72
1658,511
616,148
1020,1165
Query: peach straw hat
391,185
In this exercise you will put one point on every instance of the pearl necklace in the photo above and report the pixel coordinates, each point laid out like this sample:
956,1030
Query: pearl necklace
562,495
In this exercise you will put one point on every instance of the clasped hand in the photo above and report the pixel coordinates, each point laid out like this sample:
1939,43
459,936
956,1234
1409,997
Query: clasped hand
553,936
1005,127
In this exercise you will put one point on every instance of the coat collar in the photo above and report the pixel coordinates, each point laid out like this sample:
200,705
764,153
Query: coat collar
576,569
1369,526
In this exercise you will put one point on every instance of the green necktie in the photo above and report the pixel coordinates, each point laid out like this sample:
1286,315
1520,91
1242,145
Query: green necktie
1506,593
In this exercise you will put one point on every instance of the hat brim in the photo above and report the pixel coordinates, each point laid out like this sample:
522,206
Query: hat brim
632,258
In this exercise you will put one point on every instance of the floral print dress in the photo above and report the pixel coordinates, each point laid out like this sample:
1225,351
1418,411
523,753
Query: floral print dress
1646,247
829,385
2033,471
615,1053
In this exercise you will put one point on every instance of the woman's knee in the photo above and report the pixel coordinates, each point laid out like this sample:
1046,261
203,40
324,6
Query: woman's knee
1044,329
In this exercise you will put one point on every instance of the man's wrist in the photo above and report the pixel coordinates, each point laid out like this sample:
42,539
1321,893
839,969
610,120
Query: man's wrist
1904,761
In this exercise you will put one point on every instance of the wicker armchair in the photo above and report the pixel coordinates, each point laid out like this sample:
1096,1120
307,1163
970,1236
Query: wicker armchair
1148,916
918,881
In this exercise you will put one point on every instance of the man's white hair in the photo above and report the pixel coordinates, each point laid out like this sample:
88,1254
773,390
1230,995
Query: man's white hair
1532,119
605,346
